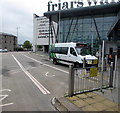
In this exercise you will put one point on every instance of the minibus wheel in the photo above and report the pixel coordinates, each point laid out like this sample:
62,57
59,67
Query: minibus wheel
77,65
55,61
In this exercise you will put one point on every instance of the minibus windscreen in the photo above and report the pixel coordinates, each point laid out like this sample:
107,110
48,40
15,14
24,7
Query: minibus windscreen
83,51
78,50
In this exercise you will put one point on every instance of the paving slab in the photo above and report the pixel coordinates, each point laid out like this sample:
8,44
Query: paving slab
88,102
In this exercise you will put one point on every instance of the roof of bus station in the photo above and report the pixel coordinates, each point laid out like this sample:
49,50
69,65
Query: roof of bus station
112,8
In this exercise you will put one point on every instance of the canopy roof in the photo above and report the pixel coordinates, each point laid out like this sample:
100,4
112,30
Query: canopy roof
86,11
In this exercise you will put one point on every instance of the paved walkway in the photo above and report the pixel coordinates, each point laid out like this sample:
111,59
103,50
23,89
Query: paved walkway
86,102
93,102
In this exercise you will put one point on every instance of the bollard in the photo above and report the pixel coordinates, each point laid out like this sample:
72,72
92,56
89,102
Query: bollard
71,81
111,75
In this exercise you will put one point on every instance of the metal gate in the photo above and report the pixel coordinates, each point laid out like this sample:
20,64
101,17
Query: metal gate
88,79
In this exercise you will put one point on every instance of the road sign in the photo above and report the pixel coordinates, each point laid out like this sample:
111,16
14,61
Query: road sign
93,72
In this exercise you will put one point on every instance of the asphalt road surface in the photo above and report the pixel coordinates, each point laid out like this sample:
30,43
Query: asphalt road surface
30,81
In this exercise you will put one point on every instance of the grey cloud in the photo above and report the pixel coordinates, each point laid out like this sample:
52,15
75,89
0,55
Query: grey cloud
16,16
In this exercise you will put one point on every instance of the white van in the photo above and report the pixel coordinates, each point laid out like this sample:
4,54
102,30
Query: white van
72,53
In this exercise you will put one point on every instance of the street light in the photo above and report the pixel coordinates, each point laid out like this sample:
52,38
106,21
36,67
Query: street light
17,31
17,36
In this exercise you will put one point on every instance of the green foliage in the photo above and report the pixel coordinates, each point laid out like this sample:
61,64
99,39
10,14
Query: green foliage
39,46
27,44
18,49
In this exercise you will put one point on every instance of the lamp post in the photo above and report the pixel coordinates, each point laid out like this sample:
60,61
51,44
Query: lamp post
59,24
17,36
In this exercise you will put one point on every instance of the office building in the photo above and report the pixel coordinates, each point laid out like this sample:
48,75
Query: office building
8,41
41,33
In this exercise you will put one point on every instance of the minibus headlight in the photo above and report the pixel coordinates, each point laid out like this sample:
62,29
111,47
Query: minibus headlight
95,61
89,61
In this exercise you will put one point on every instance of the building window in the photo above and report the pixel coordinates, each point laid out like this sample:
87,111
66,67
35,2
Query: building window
83,29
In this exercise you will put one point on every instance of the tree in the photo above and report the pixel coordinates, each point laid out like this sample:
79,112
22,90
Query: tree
27,45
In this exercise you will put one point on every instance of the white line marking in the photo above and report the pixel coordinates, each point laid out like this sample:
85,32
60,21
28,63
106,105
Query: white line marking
3,97
46,74
17,71
47,65
5,90
6,104
40,86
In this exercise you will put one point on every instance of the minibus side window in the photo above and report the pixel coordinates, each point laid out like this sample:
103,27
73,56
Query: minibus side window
60,50
72,51
64,50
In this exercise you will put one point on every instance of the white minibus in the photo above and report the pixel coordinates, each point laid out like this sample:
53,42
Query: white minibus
75,53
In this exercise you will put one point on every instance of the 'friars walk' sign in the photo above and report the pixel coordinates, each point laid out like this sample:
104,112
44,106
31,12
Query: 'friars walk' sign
76,4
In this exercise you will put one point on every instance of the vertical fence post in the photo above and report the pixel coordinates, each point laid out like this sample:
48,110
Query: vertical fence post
115,73
84,63
102,69
71,80
111,75
99,62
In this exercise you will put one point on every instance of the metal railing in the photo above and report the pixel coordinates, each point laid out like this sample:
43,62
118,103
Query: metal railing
88,79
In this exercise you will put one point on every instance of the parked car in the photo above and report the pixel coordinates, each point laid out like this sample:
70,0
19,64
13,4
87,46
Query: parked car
3,50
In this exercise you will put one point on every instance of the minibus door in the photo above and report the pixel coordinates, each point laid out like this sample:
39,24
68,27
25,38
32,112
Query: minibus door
72,55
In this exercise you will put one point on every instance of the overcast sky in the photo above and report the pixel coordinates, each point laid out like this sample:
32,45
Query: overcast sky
19,13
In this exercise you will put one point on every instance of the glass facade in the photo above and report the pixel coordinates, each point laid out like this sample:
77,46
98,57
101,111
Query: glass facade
83,29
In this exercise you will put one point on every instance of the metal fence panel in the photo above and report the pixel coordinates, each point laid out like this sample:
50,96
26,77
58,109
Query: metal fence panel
89,79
